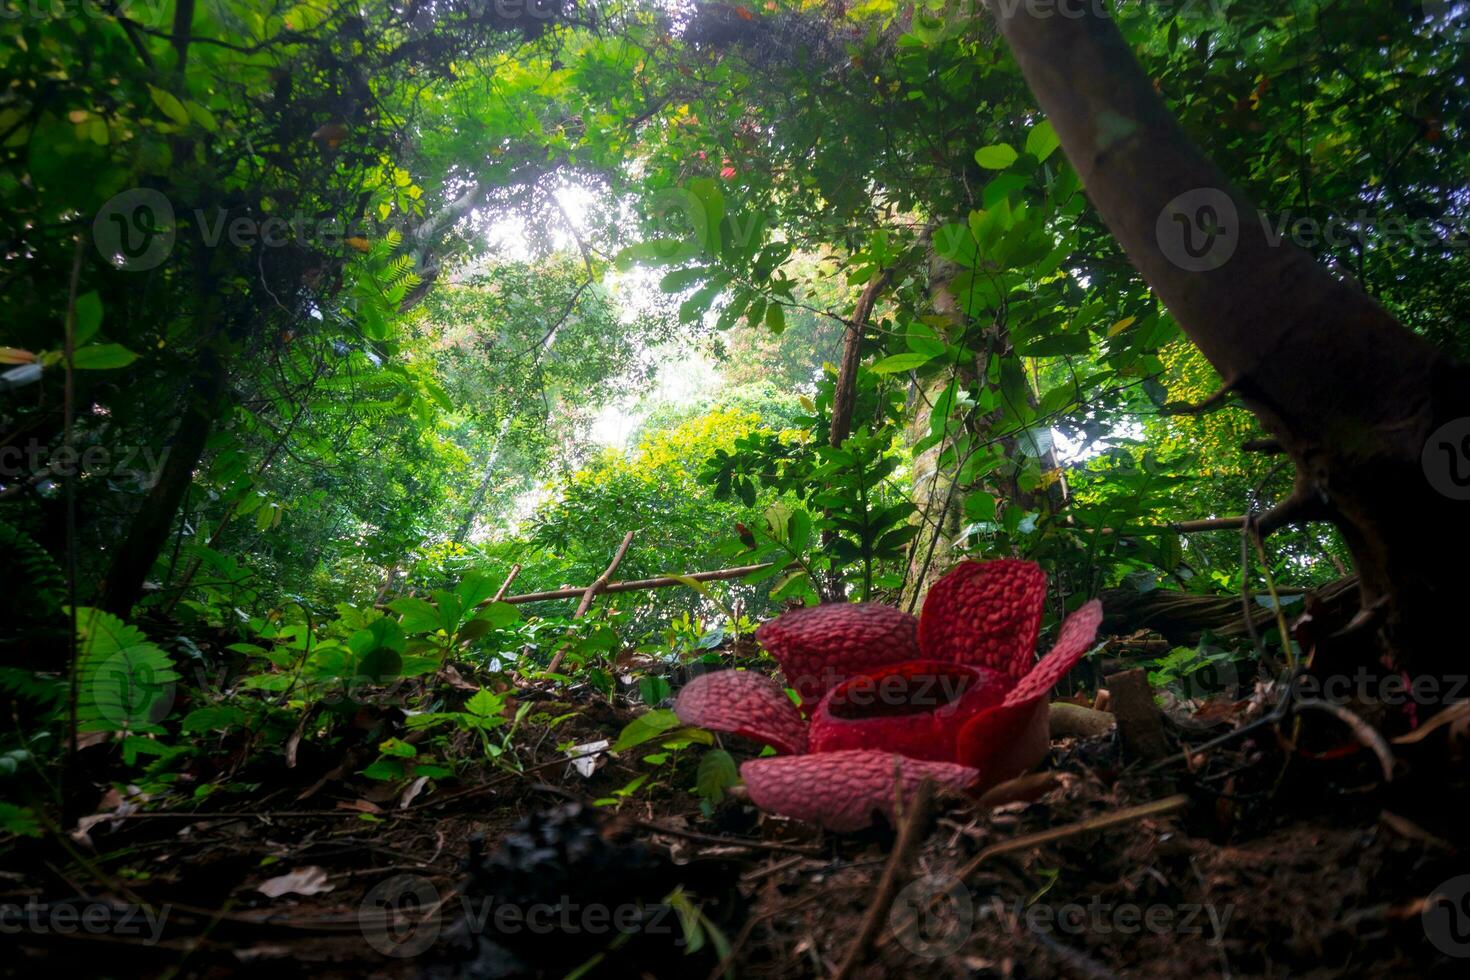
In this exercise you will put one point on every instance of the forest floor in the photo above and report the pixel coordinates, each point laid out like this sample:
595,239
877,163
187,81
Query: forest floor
1243,860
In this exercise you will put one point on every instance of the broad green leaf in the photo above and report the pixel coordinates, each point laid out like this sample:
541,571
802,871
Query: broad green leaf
202,116
1042,141
678,280
418,616
486,704
996,157
474,588
898,363
89,318
102,357
169,105
776,318
717,772
500,615
645,728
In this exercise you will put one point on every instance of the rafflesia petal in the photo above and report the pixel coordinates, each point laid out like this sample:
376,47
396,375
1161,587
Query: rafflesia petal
841,790
915,708
1073,640
743,703
1004,742
985,613
821,646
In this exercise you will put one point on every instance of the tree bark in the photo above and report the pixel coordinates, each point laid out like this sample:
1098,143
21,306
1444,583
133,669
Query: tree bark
940,503
487,476
844,392
1349,393
149,530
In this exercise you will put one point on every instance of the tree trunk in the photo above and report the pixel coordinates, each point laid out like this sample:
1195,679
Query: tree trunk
148,532
1350,394
940,503
487,476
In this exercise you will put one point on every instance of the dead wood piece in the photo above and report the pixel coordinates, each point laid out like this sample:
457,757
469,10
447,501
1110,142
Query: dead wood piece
505,586
1074,720
1183,619
638,585
1139,722
1023,789
591,593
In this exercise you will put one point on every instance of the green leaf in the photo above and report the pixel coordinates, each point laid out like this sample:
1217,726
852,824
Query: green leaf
89,318
125,682
102,357
716,773
658,251
486,704
379,650
499,615
417,615
679,280
645,728
1057,345
898,363
216,719
1042,141
653,689
474,588
202,116
396,748
996,157
169,105
695,306
776,318
693,583
19,821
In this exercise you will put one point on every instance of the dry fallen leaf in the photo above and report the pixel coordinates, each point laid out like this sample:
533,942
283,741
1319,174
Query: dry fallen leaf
310,880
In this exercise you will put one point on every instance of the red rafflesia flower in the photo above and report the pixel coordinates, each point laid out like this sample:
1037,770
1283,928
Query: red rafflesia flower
953,695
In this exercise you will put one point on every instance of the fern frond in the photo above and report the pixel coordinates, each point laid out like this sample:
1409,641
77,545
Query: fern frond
42,585
125,682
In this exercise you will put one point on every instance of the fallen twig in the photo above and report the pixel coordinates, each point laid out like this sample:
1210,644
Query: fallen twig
591,593
499,595
1158,808
638,585
909,836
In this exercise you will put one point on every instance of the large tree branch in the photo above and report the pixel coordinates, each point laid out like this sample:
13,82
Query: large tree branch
1350,394
1264,312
